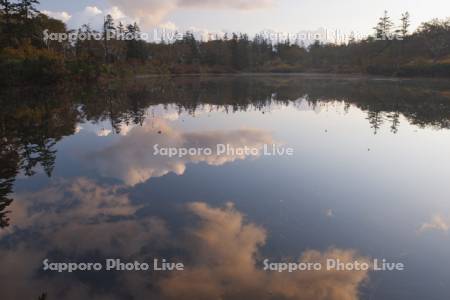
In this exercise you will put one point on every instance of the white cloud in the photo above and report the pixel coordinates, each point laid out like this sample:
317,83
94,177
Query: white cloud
146,12
152,12
224,248
91,15
59,15
437,223
94,16
227,4
116,13
92,11
74,218
134,161
80,198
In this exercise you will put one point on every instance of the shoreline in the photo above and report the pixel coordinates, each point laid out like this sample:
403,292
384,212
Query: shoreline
310,75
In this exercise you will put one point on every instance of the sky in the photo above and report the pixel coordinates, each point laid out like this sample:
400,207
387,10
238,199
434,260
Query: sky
288,16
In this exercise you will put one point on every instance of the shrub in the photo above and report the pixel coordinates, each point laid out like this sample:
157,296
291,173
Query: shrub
30,65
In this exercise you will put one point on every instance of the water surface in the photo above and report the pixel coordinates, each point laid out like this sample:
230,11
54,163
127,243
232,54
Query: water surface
368,179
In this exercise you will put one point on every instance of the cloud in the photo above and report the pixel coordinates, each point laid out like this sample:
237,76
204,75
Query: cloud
115,13
437,223
227,4
94,16
224,249
92,11
89,15
152,12
76,200
75,218
146,12
134,161
220,248
59,15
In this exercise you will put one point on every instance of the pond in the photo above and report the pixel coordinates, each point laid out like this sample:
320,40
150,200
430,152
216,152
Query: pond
366,181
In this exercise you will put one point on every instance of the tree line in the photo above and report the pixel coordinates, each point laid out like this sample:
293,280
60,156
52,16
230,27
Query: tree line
28,56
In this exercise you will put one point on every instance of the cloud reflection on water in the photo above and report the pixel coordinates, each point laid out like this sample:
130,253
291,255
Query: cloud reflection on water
221,249
131,159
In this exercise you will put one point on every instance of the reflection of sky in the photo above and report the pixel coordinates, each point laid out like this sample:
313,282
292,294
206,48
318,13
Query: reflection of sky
134,161
388,194
81,217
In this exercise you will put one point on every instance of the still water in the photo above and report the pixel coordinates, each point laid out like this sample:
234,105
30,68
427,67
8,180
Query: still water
369,179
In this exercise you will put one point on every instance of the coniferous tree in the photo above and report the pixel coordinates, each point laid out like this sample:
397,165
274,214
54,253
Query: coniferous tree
405,23
8,10
26,8
384,27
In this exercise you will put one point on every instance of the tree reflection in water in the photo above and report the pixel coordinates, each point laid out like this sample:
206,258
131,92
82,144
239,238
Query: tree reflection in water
32,121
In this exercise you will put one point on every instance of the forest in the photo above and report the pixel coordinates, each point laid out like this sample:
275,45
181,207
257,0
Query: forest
27,56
